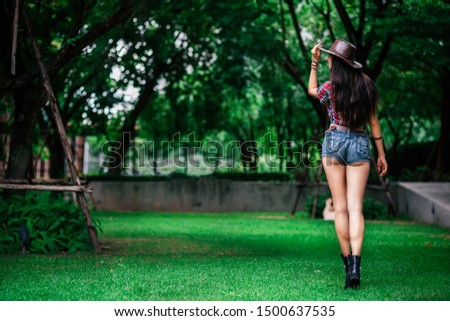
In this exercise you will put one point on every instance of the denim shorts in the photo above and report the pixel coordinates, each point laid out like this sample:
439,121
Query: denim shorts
346,147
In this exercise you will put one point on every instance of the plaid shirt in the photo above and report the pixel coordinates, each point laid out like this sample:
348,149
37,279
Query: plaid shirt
326,96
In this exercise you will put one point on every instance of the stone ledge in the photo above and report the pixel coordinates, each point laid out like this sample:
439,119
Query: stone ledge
425,202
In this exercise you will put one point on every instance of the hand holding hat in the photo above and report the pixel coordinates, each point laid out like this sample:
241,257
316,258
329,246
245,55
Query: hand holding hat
316,52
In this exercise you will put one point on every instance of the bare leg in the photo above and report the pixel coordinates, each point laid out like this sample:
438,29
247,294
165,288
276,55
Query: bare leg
336,181
357,174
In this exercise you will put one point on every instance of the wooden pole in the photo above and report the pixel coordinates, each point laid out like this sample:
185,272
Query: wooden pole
14,42
316,194
41,181
57,188
297,197
81,200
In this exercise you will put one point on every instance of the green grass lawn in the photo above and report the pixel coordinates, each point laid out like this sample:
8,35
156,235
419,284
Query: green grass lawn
242,256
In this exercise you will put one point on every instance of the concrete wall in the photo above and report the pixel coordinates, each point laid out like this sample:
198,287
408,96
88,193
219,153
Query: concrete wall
424,202
206,194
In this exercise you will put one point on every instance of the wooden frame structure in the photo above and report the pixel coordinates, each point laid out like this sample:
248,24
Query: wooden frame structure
76,185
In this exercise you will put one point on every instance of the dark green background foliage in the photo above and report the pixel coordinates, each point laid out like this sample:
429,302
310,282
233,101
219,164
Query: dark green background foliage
373,209
275,177
54,224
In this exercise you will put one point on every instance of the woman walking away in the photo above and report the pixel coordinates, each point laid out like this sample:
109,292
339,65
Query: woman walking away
351,99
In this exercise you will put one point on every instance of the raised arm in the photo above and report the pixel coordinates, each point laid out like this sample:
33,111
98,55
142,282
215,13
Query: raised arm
313,84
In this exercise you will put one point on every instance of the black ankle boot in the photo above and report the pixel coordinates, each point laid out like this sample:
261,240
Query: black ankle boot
347,275
354,276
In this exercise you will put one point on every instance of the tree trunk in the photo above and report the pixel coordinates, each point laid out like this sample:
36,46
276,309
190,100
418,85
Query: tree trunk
155,160
128,132
118,160
249,154
57,157
27,101
27,105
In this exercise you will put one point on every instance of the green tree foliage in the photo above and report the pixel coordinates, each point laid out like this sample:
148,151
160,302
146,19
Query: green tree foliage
226,70
64,31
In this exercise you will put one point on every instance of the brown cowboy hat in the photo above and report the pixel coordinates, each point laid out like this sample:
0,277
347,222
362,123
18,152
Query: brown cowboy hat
344,50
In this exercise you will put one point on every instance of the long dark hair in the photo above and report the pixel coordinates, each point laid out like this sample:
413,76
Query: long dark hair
355,94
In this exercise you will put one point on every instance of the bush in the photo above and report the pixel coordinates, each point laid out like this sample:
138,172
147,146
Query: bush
54,225
373,209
